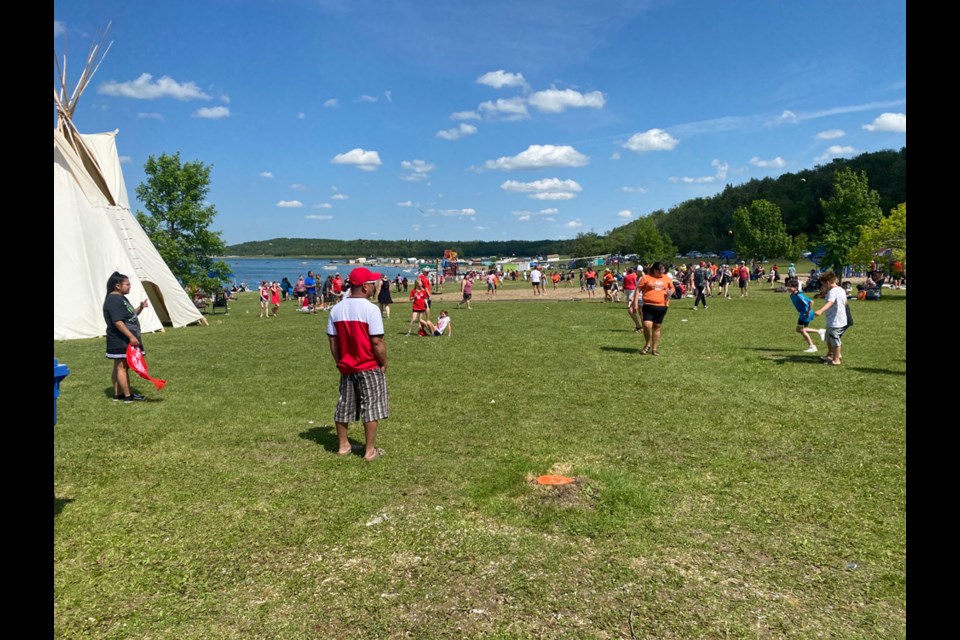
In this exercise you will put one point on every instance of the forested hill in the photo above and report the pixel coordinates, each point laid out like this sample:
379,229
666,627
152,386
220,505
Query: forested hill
701,224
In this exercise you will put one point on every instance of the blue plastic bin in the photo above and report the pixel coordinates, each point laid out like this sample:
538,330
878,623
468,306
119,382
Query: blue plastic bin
60,371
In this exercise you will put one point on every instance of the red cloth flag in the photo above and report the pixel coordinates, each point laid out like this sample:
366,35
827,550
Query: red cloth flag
138,364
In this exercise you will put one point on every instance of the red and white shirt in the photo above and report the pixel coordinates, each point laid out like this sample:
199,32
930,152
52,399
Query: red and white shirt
353,321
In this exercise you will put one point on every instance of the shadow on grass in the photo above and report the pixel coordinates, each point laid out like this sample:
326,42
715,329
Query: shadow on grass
875,370
59,504
622,349
326,437
108,392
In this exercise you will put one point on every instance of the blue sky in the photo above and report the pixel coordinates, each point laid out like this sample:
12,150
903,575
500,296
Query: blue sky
484,120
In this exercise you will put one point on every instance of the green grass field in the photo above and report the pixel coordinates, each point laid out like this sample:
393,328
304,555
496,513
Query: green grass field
734,487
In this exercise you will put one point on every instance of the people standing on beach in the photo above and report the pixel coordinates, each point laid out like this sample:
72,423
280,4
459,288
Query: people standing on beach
311,287
466,290
286,288
384,299
355,333
299,291
123,329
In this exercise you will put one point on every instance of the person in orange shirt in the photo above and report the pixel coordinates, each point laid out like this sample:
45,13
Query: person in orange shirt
556,279
654,289
607,282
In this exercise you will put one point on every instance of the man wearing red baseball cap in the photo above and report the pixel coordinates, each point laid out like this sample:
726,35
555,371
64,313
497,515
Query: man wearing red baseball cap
355,332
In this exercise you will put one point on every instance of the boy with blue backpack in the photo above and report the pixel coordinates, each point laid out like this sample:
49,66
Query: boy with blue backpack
804,306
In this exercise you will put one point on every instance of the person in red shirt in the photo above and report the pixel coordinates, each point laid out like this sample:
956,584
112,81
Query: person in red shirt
425,281
419,297
655,289
743,278
337,287
355,333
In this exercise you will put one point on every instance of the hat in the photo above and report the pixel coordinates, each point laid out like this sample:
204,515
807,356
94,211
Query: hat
360,275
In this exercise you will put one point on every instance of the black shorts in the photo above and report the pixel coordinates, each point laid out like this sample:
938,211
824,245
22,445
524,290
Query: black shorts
654,313
312,297
467,296
743,283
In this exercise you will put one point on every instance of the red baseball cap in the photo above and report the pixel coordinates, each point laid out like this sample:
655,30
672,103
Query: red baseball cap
360,275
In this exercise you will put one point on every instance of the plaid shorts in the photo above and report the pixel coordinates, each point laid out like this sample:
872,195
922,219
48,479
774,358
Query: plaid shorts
363,393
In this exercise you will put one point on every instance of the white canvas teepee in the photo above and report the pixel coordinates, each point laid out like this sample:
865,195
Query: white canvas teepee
95,233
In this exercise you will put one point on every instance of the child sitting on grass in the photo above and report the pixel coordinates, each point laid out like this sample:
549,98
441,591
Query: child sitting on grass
804,306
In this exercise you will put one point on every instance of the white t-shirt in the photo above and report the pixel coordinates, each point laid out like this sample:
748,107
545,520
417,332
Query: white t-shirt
535,276
837,314
442,323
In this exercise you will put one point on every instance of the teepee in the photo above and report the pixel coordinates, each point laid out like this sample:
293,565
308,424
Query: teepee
95,233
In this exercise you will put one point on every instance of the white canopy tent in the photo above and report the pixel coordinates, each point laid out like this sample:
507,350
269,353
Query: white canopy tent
95,233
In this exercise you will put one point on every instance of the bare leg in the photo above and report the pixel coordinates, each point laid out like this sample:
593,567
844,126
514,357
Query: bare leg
806,335
121,381
647,334
655,341
342,437
370,433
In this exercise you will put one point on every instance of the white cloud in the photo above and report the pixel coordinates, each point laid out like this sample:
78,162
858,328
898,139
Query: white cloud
633,189
150,116
415,227
457,132
549,211
835,151
405,203
465,115
556,100
652,140
366,98
339,196
225,99
721,174
360,158
388,95
458,212
615,155
296,186
59,28
125,159
553,195
143,89
550,219
265,174
505,109
481,228
286,204
547,184
540,157
776,163
315,216
573,224
301,116
419,170
831,134
788,116
500,79
212,113
891,122
626,213
525,218
542,212
332,102
323,205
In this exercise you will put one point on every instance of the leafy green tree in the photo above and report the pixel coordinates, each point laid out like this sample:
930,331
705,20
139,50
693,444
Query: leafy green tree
758,230
798,244
887,233
852,206
179,218
649,244
587,244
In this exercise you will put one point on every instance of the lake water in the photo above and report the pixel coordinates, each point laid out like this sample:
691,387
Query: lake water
254,270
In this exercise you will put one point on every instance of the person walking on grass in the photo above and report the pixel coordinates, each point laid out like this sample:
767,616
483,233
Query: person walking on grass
355,334
804,307
536,276
466,290
633,308
743,278
701,277
123,329
419,297
264,299
654,291
836,312
384,299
